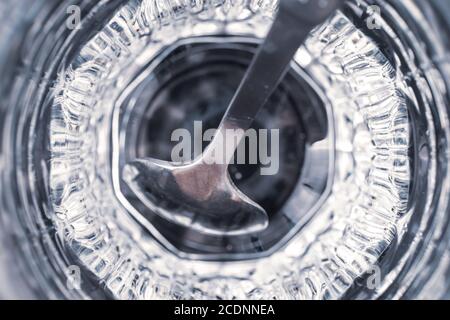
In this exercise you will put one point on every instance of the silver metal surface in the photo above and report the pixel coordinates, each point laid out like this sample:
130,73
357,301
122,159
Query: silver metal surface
201,194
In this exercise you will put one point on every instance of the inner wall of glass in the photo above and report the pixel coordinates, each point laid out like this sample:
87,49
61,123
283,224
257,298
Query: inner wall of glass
387,104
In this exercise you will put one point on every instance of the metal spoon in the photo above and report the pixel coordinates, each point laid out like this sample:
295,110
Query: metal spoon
200,194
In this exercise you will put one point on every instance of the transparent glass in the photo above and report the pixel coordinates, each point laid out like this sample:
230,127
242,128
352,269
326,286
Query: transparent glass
71,108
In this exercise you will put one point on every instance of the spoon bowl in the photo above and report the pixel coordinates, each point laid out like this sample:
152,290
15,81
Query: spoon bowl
197,195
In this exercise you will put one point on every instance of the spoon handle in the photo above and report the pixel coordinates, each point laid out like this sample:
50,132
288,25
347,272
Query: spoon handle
294,21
